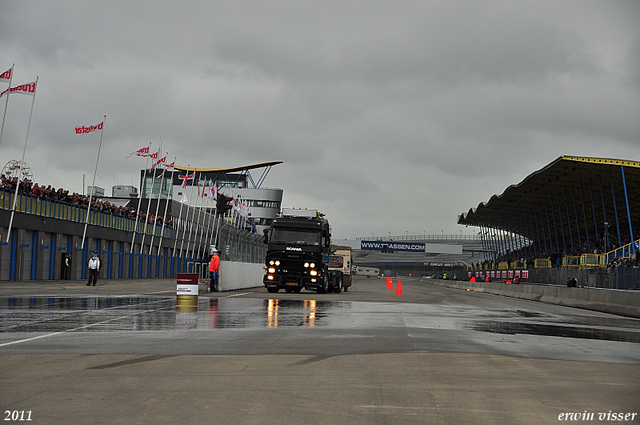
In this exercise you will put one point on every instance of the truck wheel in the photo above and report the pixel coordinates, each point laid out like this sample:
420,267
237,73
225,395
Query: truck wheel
322,288
272,290
337,288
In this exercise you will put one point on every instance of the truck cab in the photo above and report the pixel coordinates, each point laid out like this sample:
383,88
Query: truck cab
299,246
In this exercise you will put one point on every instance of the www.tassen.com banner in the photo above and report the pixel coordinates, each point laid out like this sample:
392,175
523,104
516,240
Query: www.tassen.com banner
392,246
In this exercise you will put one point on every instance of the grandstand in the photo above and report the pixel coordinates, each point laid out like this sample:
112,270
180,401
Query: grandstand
577,214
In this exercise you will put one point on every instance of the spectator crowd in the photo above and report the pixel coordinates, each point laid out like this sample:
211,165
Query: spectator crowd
34,190
525,257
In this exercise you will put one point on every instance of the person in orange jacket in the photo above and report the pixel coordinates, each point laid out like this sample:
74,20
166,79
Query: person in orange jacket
214,268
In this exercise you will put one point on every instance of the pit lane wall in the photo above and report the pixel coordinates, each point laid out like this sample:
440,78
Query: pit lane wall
624,303
234,276
240,275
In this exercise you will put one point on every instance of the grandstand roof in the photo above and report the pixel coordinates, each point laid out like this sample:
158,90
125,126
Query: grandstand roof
229,169
570,188
244,171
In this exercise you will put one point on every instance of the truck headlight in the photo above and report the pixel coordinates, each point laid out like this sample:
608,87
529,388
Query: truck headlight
269,277
277,262
306,265
312,265
313,273
271,270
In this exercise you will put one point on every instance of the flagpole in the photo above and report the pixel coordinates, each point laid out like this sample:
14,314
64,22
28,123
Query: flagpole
93,185
205,234
155,220
135,228
220,223
146,219
207,219
215,214
188,207
216,240
175,241
209,224
195,241
6,103
166,205
24,150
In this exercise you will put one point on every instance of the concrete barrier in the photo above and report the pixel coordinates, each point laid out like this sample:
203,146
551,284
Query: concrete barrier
234,275
621,302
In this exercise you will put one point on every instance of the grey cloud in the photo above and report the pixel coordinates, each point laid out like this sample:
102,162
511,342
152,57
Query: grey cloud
391,116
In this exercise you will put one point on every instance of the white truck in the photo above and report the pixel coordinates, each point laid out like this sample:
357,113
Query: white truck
340,262
368,271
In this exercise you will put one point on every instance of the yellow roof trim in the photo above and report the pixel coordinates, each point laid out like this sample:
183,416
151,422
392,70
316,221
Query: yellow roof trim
603,161
229,169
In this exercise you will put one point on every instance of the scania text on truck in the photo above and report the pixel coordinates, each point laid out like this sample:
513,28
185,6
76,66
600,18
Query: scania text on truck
298,253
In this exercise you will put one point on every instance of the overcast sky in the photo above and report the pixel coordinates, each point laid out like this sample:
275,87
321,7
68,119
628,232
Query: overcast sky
390,117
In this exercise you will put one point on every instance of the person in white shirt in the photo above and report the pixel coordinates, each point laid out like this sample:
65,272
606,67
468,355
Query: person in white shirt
94,268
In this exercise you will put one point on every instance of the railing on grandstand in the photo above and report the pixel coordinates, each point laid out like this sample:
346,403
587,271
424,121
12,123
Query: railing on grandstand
421,237
623,251
571,261
584,261
591,260
61,210
542,263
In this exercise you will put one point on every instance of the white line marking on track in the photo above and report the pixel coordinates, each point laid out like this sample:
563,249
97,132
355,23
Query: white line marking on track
238,295
78,328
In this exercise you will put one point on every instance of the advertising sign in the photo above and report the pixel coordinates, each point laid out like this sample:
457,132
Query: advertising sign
392,246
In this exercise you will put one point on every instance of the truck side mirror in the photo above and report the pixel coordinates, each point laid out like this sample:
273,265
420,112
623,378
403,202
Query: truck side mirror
265,236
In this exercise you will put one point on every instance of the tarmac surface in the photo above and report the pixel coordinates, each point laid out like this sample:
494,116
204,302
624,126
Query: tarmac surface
120,352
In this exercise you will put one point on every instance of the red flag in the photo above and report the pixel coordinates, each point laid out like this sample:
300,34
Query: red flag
211,194
89,129
172,165
154,155
29,88
160,161
140,152
185,178
6,76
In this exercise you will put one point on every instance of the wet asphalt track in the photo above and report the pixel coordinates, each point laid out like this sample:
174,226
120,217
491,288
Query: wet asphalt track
134,329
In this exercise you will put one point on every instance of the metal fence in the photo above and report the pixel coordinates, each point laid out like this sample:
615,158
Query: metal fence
609,278
235,245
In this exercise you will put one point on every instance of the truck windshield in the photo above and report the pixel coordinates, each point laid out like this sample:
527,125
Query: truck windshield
295,237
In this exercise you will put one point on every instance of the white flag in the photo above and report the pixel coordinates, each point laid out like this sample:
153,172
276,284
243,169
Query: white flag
29,88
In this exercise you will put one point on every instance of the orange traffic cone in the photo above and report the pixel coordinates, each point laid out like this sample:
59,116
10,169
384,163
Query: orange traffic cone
399,289
389,284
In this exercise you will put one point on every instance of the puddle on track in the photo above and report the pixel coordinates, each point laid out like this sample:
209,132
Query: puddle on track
150,313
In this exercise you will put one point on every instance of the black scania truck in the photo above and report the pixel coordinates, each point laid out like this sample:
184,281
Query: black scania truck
299,252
